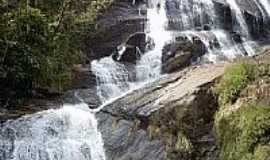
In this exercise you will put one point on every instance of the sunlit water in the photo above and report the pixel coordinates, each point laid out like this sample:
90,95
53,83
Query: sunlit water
68,133
149,66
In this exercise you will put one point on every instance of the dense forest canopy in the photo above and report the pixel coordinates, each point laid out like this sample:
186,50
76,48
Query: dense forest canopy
40,40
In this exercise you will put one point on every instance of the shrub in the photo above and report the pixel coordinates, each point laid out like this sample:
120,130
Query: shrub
235,78
40,41
244,134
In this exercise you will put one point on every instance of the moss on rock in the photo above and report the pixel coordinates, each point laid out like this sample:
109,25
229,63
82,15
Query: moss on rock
244,134
236,78
243,121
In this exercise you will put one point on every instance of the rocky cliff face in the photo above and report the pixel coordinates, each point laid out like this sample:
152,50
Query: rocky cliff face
121,20
242,125
178,117
171,118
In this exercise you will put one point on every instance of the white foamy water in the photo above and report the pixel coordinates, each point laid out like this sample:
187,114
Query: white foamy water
195,13
266,5
149,66
113,78
68,133
239,17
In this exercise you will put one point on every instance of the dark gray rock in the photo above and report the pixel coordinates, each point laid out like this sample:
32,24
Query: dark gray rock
138,40
145,123
180,54
132,49
82,77
88,96
118,23
123,141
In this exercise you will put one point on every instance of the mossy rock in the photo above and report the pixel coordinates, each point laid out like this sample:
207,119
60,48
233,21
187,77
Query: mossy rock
244,134
181,124
236,77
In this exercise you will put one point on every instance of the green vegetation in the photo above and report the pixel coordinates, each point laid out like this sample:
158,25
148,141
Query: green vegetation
235,79
244,134
40,40
243,128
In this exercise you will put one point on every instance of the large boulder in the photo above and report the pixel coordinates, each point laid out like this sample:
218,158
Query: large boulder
138,40
117,24
132,49
167,119
181,53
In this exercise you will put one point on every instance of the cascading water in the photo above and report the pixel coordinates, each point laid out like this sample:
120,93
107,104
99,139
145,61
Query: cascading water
243,27
68,133
239,18
196,18
195,15
114,78
149,66
191,13
266,5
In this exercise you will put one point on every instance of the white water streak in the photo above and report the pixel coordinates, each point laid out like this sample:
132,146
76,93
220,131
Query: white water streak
266,5
149,66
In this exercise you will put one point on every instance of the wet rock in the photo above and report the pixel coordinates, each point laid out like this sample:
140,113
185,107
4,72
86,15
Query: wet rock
168,119
137,40
130,55
207,27
257,28
237,37
82,77
122,140
88,96
180,54
132,49
30,106
118,23
257,22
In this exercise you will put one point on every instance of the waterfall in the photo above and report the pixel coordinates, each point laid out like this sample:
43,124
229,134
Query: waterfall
115,78
68,133
149,66
243,27
71,132
191,17
242,24
193,13
266,5
229,49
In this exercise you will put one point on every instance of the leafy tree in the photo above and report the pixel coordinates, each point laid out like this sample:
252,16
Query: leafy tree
40,40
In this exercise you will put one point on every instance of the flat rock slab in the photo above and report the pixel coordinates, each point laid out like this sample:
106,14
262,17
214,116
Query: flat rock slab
124,123
143,102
